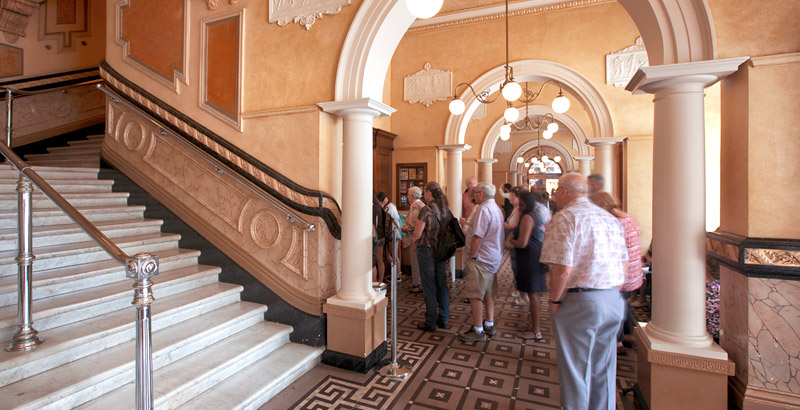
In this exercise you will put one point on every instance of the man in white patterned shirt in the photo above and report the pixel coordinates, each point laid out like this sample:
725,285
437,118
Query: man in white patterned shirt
585,248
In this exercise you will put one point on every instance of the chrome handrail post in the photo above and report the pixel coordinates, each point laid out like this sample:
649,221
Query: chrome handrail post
141,267
9,106
25,338
395,369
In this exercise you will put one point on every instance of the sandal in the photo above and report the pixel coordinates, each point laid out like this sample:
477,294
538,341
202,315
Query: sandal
528,335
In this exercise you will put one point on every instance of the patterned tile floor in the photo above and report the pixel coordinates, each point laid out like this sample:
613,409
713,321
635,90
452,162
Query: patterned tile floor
505,372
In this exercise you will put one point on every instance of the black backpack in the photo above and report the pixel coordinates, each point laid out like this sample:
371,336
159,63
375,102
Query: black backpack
451,237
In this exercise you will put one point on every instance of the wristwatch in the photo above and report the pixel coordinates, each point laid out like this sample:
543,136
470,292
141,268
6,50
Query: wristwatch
555,302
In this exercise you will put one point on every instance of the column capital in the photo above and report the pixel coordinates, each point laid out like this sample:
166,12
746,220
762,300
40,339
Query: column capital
454,147
361,106
595,142
584,158
514,172
486,161
652,79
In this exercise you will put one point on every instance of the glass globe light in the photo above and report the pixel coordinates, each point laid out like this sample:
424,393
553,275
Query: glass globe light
505,132
560,104
547,134
545,158
520,160
457,107
511,114
527,164
424,9
512,91
552,127
557,158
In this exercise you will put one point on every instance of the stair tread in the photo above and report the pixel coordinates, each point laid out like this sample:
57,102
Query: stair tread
68,195
279,367
189,372
69,228
101,366
43,252
54,305
93,209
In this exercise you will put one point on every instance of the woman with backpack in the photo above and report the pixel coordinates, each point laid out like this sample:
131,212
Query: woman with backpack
432,219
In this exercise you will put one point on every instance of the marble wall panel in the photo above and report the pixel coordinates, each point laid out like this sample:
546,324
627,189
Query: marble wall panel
10,61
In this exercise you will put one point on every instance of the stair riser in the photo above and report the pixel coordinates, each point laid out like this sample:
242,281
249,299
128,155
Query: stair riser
59,286
62,239
52,157
51,176
111,215
62,188
119,335
255,401
44,203
47,261
51,319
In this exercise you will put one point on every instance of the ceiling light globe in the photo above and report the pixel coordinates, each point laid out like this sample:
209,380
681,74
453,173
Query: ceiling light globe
545,158
424,9
511,114
520,160
557,158
561,104
512,91
505,132
552,127
547,134
527,164
457,107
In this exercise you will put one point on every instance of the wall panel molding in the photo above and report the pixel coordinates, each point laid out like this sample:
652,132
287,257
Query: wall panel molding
221,68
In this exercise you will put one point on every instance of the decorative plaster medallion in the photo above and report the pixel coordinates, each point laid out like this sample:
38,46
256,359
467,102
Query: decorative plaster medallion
212,4
427,86
502,147
265,230
302,12
295,258
622,65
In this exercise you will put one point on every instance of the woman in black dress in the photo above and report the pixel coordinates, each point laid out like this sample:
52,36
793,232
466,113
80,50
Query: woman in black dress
530,275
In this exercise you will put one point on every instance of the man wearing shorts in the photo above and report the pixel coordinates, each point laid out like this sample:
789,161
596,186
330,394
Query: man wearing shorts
485,256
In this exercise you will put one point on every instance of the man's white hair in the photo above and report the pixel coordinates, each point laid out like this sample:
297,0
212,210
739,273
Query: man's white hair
415,192
488,189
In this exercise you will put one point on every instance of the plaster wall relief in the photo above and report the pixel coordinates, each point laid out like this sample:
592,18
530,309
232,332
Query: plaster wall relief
64,21
291,261
623,64
221,68
774,334
155,43
14,16
303,12
44,115
427,86
213,4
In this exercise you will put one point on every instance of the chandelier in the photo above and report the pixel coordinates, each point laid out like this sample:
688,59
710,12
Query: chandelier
546,122
510,90
541,163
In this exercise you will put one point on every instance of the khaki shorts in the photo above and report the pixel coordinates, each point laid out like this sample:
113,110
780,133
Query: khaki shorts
479,281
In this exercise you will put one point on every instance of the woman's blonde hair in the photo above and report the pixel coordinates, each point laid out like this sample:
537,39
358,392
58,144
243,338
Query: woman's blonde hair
605,200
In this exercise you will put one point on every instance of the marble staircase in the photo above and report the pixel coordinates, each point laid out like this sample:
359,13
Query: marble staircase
211,350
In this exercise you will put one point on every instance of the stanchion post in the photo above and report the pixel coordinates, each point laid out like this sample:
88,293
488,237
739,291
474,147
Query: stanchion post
395,369
141,267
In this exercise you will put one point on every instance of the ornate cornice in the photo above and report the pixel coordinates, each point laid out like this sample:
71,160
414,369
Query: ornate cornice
455,20
756,257
299,198
724,367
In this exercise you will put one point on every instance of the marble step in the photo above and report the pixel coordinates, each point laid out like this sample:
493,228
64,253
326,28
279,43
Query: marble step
81,143
52,173
67,163
185,379
76,199
87,378
78,153
62,234
96,137
51,282
85,149
59,310
71,342
9,186
95,214
48,257
255,385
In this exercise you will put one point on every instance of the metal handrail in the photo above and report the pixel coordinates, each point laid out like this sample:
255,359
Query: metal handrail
24,93
218,166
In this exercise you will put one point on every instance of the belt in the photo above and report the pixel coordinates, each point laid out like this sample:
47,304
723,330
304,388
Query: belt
577,290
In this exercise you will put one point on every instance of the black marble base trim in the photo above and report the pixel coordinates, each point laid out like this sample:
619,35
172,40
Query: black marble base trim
353,363
731,250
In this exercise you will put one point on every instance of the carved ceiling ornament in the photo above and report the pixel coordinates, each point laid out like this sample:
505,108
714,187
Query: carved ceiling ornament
622,65
302,12
14,18
427,86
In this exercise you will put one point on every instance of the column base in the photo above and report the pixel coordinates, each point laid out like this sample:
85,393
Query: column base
356,336
670,380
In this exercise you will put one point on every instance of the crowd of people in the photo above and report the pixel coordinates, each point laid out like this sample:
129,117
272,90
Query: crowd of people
585,257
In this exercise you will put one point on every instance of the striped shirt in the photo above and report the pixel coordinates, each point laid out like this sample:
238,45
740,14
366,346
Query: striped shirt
489,227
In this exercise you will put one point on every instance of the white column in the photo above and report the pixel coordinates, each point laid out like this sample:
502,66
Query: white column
584,165
356,279
513,178
454,178
485,169
679,249
603,160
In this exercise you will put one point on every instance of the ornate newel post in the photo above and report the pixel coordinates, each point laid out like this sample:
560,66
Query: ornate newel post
141,267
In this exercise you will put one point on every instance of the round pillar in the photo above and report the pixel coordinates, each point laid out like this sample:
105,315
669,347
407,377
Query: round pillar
584,165
485,170
603,160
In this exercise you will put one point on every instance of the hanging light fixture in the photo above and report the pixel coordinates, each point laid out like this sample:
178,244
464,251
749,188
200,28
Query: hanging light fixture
424,9
509,89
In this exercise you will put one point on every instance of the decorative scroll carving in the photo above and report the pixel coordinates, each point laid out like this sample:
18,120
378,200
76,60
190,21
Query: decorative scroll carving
303,12
725,367
622,65
212,4
265,230
772,257
63,21
427,86
725,250
296,255
14,18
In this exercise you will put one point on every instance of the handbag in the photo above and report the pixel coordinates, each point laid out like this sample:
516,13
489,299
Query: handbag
449,240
